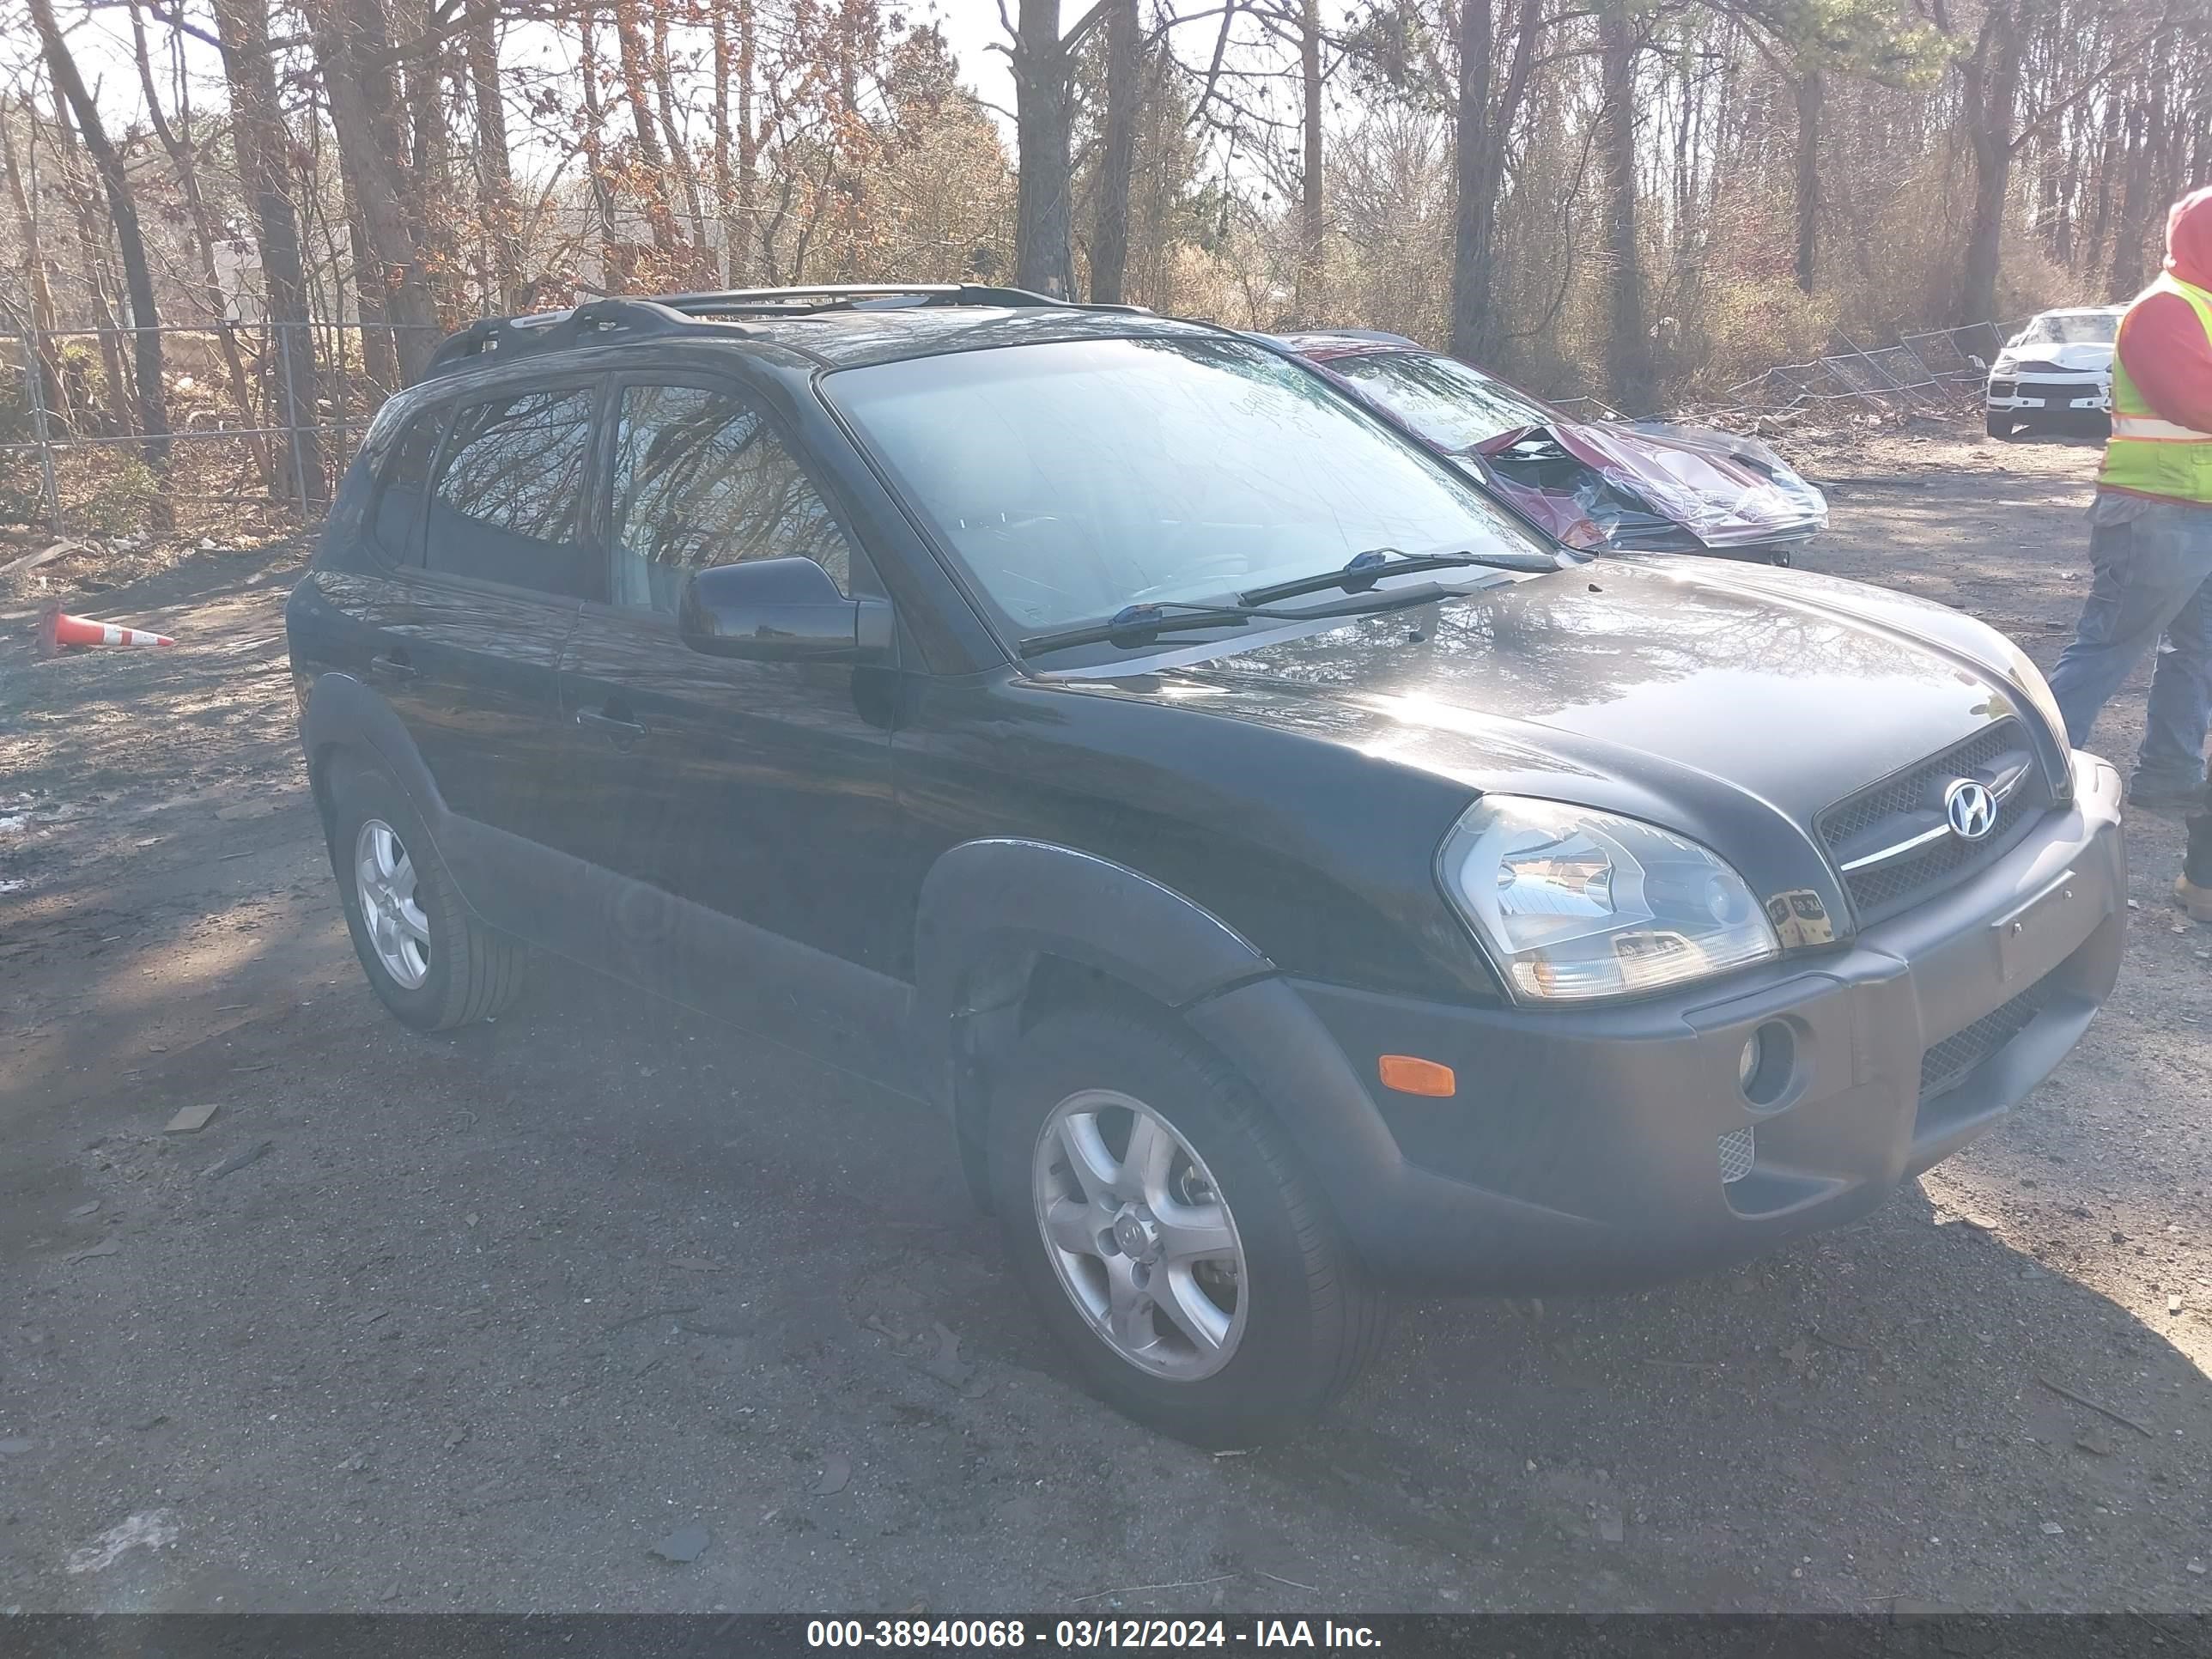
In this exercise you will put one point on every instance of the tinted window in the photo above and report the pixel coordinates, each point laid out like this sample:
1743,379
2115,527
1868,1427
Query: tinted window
700,480
395,522
1440,397
508,506
1074,478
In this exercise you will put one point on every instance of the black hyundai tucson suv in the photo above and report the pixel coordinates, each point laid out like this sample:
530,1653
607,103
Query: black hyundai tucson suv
1287,875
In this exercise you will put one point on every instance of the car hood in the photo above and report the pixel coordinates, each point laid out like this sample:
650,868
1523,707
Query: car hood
1631,683
1726,490
2086,359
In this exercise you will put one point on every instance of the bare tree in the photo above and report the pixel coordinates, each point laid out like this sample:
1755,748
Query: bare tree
129,238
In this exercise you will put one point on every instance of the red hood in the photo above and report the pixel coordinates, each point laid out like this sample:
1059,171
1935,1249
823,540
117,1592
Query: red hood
2189,238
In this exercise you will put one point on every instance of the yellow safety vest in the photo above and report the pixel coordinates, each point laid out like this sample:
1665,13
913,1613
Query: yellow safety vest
2149,455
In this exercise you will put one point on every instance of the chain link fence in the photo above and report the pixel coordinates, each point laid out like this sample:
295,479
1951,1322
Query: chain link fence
264,418
1939,371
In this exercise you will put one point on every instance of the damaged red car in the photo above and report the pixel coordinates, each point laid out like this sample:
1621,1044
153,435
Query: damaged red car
1641,486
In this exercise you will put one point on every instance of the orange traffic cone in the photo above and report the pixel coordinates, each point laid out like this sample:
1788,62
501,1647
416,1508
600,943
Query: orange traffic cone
56,630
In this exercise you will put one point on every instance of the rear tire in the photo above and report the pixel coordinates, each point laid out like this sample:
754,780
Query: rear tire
1286,1317
428,958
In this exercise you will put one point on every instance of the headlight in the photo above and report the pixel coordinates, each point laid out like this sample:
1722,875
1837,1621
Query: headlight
2028,680
1574,903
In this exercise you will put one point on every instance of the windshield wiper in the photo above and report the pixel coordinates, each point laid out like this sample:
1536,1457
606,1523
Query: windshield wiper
1139,625
1362,570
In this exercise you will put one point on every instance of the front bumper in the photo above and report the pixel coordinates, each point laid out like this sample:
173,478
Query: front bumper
2049,395
1585,1148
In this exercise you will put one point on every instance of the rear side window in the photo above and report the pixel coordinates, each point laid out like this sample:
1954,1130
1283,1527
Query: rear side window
395,521
701,479
508,506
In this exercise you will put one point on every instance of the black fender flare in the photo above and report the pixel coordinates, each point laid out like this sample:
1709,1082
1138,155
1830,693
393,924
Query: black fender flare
342,712
990,909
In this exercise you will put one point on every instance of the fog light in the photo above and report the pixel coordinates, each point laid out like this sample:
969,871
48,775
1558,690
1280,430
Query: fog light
1747,1063
1767,1067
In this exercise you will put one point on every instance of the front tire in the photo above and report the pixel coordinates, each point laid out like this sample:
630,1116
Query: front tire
428,958
1160,1222
1997,425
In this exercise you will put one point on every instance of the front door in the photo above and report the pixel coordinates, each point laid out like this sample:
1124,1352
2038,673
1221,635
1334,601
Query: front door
748,804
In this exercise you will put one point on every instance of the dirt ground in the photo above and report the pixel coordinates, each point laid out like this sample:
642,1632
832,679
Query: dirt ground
476,1323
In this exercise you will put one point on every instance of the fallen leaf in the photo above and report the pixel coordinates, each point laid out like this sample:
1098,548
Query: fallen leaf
83,1210
836,1474
106,1247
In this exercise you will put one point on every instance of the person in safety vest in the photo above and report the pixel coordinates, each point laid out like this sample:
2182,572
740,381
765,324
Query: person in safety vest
2150,544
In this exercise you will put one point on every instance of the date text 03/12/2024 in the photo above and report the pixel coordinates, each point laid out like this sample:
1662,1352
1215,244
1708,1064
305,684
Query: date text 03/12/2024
1087,1633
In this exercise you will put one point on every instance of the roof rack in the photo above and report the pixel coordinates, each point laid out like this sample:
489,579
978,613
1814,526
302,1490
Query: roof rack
866,296
604,319
555,331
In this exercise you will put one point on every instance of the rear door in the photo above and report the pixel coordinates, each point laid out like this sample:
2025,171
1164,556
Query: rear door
497,567
758,792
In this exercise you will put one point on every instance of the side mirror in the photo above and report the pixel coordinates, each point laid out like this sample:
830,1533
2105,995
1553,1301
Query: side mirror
780,610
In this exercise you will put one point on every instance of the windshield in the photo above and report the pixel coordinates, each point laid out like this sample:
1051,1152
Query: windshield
2072,328
1442,399
1073,479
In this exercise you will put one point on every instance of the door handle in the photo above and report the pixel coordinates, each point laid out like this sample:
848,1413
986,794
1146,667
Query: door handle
392,668
622,731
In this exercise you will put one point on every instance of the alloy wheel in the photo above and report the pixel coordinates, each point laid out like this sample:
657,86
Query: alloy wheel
1139,1236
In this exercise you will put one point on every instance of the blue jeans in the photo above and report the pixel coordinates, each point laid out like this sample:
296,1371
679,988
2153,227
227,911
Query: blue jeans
2153,576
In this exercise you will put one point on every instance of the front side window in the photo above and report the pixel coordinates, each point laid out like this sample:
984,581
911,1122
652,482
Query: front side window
508,506
1074,478
701,479
1449,403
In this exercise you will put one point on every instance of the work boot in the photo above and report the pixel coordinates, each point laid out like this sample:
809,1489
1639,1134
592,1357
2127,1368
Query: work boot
2162,791
2192,888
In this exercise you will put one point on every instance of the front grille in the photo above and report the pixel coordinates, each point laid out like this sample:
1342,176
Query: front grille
2066,389
1946,1065
1912,803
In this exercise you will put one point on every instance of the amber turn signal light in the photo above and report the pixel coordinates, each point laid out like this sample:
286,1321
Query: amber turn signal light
1412,1076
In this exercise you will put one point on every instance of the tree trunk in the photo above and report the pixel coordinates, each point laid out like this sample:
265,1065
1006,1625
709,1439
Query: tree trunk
123,209
176,140
1043,259
36,287
595,126
1627,346
1812,94
353,47
653,163
2130,233
744,260
1125,76
1313,223
1486,112
1990,82
1474,206
263,155
718,25
495,173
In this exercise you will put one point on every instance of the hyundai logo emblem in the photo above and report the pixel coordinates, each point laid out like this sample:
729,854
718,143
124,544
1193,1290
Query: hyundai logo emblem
1971,808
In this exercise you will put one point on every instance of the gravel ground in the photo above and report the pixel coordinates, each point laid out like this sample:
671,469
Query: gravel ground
478,1322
